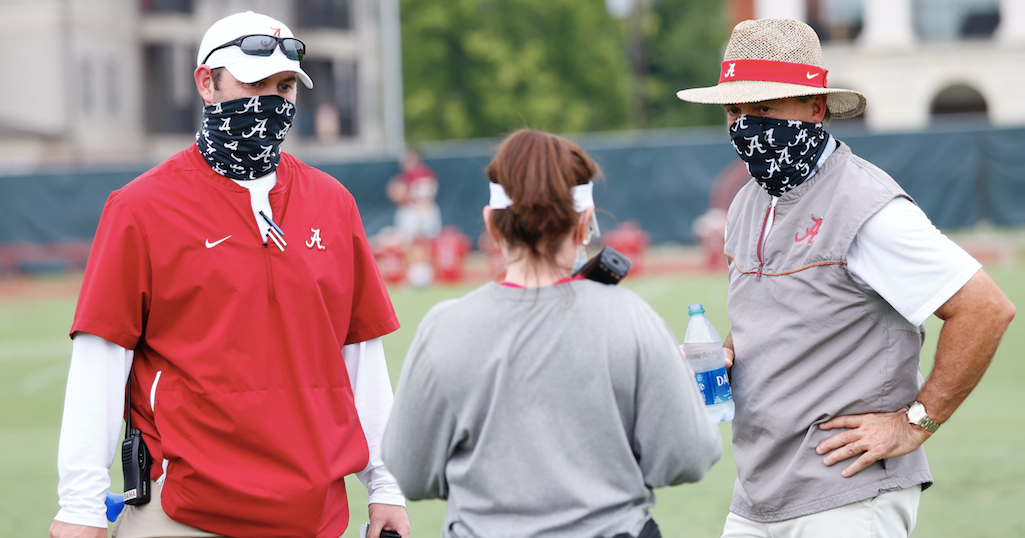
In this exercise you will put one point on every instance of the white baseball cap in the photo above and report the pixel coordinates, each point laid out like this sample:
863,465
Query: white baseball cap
244,67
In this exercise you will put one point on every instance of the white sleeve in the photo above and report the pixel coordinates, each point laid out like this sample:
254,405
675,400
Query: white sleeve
908,262
94,405
371,387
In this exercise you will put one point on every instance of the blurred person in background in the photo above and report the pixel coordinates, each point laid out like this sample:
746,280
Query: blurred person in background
546,405
417,216
833,272
236,285
413,191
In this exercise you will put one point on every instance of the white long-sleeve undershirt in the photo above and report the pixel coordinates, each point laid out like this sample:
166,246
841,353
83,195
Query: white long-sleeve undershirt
94,404
371,387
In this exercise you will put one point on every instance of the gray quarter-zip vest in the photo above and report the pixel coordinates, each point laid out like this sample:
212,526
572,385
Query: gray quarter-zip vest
811,344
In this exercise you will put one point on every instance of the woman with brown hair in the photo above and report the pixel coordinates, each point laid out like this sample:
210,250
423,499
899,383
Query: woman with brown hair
545,405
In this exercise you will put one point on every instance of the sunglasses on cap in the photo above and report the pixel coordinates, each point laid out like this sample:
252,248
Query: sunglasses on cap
263,45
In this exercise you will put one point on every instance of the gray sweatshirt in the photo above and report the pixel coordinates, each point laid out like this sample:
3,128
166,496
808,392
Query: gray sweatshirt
546,412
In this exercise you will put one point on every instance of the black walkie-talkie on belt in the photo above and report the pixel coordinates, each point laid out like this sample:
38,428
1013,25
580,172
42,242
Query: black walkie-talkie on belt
135,459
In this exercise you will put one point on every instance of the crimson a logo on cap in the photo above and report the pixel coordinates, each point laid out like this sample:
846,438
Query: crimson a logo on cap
277,31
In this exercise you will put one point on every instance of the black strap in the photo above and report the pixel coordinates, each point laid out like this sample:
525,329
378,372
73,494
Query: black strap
128,405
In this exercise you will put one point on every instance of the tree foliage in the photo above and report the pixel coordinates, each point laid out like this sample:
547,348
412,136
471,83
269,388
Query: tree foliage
481,68
683,45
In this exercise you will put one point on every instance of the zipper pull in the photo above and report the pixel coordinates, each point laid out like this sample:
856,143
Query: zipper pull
770,219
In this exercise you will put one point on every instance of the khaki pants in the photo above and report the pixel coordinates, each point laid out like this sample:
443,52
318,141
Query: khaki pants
149,521
890,515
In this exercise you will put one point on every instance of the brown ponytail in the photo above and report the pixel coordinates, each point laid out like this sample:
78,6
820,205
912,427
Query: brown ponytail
537,170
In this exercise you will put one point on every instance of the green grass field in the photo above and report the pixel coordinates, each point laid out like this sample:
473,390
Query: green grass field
976,458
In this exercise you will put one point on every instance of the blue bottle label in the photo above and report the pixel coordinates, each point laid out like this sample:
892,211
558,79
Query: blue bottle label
714,386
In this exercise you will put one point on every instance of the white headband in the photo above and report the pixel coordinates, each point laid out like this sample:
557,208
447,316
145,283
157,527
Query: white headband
583,196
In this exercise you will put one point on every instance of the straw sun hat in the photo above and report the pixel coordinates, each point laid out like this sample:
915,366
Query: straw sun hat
772,59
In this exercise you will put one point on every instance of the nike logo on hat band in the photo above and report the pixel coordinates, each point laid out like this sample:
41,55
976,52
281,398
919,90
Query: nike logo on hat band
773,71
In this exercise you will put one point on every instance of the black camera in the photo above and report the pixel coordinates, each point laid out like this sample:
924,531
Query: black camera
608,266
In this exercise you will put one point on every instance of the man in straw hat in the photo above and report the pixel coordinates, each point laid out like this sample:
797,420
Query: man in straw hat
833,272
236,286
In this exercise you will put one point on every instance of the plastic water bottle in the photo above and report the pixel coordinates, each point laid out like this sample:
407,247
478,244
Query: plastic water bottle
705,356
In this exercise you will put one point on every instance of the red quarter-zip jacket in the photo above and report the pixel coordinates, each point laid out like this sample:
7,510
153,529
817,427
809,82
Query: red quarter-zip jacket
239,381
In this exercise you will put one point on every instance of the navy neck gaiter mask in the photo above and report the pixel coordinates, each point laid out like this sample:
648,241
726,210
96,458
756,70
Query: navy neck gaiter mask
241,139
779,154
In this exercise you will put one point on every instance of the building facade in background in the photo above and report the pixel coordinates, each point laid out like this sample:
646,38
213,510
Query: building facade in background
109,82
105,82
919,62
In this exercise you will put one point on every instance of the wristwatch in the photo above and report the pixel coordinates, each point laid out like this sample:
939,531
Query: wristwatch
918,417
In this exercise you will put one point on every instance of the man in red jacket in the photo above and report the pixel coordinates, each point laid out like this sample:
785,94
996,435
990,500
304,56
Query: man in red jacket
236,284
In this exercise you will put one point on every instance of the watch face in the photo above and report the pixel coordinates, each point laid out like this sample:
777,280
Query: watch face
916,413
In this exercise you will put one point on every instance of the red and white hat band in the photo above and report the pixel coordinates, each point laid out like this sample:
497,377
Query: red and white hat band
773,71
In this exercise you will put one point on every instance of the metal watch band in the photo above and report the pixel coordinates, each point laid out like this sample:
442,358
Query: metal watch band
928,424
